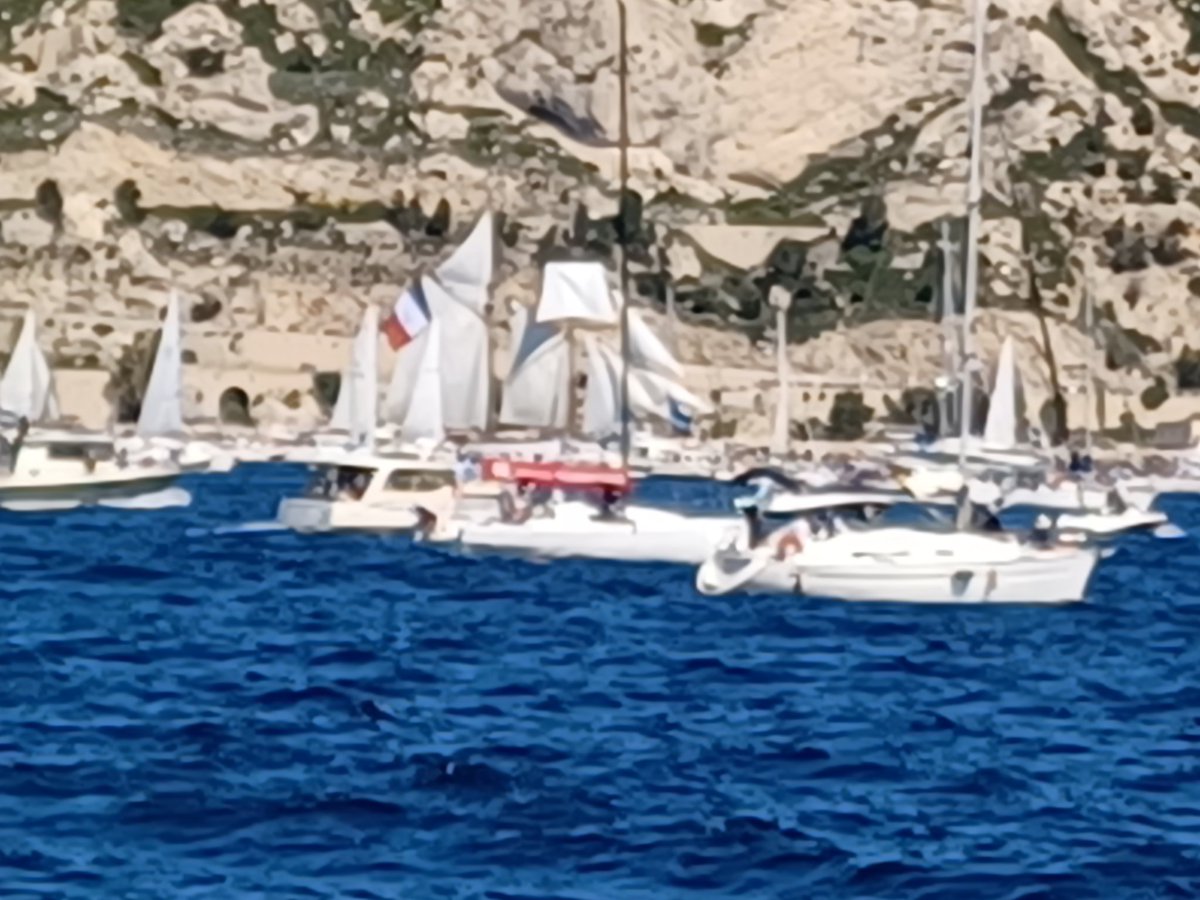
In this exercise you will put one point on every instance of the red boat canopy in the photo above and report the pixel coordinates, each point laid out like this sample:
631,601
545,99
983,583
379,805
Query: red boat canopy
567,476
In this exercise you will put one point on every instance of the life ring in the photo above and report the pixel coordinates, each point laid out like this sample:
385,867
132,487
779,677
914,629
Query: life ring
789,545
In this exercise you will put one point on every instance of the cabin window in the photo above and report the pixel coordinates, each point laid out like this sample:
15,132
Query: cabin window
418,482
340,483
80,451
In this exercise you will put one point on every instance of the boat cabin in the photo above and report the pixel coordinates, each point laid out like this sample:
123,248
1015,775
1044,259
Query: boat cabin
56,450
379,480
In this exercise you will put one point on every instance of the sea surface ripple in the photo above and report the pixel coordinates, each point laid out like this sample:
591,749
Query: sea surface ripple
192,713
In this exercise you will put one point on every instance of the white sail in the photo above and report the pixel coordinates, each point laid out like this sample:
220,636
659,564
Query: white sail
405,372
162,404
653,395
536,393
465,372
423,419
1000,432
602,400
356,408
467,274
647,351
27,388
576,292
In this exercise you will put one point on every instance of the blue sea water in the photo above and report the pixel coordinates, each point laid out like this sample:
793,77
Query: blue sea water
189,713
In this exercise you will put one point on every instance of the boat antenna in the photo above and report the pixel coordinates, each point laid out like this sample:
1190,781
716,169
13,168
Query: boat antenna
968,363
622,228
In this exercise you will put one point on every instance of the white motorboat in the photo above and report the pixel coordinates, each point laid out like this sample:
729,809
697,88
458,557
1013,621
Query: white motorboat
578,529
373,492
903,564
62,469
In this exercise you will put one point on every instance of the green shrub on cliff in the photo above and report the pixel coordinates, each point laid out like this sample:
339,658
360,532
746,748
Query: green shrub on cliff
849,416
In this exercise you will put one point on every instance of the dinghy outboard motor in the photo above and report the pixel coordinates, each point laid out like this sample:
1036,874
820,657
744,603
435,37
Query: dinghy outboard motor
751,513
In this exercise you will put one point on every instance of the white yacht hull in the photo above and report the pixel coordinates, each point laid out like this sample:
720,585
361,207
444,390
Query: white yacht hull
1003,573
644,535
401,515
17,492
313,515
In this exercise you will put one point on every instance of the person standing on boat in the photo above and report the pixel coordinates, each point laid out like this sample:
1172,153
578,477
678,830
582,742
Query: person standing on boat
467,468
10,450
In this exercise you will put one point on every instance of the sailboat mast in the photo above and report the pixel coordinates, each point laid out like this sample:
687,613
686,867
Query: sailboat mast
974,202
781,299
622,236
1088,387
949,344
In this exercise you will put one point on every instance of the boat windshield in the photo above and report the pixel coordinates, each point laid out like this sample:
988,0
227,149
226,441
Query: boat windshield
339,483
419,482
835,520
88,451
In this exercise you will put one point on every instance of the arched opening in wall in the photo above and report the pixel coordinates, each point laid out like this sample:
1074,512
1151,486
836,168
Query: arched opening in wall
233,408
326,387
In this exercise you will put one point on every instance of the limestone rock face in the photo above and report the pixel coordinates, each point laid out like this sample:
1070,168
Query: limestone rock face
283,163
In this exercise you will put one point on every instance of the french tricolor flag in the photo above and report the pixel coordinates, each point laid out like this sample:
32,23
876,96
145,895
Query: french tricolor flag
410,316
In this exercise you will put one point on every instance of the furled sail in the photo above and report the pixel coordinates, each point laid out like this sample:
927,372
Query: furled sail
162,404
27,388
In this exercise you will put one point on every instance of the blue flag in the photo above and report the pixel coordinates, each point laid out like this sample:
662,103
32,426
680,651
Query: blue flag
680,420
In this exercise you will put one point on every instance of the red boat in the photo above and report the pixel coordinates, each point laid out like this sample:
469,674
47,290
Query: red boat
565,476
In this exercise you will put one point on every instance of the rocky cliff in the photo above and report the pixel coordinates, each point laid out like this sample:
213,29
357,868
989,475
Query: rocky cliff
284,162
